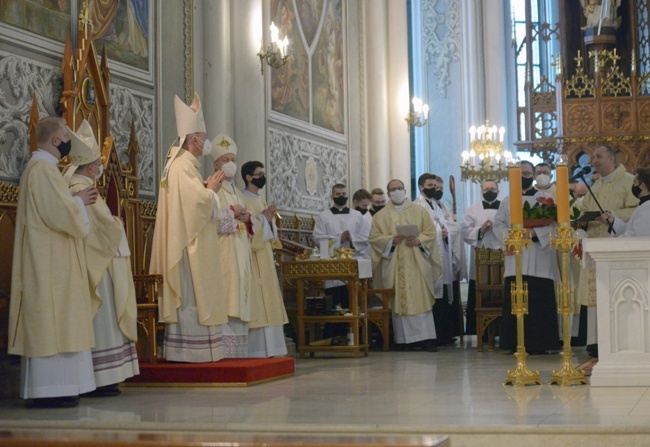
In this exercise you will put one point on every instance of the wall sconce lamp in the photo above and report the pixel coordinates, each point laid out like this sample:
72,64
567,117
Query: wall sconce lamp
419,116
276,54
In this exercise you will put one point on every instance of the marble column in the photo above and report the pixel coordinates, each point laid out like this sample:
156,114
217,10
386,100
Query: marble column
378,135
250,124
227,69
398,90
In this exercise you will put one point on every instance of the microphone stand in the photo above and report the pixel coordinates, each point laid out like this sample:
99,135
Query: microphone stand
609,224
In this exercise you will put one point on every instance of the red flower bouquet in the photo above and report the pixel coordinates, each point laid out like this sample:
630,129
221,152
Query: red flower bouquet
543,213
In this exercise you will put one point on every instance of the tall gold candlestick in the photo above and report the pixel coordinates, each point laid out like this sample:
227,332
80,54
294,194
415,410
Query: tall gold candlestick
565,242
521,375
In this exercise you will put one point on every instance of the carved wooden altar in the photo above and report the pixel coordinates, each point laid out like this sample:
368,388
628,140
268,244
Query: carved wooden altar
593,89
86,96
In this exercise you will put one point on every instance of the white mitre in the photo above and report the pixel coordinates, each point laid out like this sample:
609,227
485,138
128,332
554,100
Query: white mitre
222,145
189,120
85,149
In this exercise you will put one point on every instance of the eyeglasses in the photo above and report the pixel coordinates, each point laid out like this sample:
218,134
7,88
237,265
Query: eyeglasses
260,175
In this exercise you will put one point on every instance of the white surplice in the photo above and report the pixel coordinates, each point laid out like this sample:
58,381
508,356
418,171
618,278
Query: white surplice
330,226
473,218
638,225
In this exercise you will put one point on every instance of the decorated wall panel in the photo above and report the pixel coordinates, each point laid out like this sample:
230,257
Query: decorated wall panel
302,172
20,79
31,34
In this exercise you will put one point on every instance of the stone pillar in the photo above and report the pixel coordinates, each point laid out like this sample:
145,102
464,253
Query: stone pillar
398,91
378,137
250,107
623,298
229,72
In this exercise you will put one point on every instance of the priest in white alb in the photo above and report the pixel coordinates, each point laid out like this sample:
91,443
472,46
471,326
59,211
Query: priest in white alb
409,265
108,262
184,245
51,223
233,254
266,332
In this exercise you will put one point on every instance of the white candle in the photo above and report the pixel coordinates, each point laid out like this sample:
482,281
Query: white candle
275,33
472,133
425,109
502,131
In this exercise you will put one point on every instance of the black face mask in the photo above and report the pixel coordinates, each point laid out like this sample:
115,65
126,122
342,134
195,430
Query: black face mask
437,195
362,210
259,182
490,196
340,201
64,148
526,182
376,209
429,192
636,190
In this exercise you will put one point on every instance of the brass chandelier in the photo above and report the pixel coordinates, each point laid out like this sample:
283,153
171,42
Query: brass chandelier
486,159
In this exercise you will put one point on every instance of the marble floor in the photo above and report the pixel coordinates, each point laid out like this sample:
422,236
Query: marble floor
456,391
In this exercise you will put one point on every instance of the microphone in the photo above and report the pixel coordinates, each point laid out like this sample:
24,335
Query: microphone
584,171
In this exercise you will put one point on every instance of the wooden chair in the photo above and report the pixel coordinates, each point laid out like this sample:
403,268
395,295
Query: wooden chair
381,317
489,293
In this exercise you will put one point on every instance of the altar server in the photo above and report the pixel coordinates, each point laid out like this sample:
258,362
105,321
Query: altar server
266,332
539,268
477,230
639,223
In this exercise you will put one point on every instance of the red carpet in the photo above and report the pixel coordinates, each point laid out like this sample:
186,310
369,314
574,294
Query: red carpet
226,372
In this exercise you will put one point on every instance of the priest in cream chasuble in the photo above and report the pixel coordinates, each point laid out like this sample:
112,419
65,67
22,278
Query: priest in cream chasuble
613,191
409,267
233,252
184,244
108,262
51,309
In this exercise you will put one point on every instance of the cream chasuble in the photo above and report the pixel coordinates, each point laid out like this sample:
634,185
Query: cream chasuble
101,246
185,222
233,260
51,310
407,270
267,302
614,194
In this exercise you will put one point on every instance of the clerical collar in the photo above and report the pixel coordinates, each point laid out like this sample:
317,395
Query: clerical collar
491,206
400,207
531,192
644,199
335,210
608,178
42,154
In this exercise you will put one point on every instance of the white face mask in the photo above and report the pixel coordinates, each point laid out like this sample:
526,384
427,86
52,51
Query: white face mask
207,147
229,169
101,171
397,196
543,181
